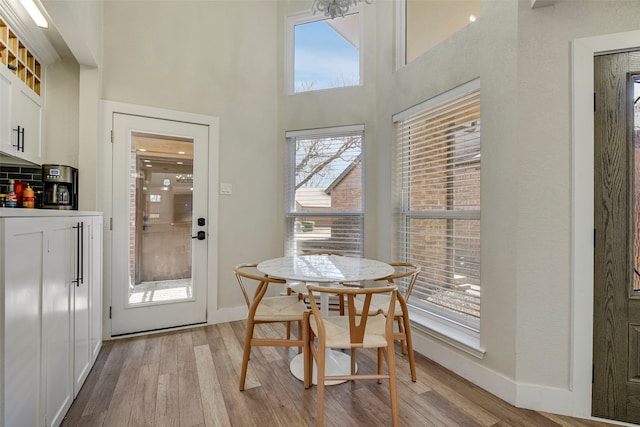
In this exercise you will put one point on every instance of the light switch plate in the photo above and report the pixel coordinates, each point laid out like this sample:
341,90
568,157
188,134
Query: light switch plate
225,188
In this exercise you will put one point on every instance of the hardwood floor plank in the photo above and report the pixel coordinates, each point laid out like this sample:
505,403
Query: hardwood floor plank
215,412
119,412
237,408
143,408
169,354
189,399
199,336
103,392
167,408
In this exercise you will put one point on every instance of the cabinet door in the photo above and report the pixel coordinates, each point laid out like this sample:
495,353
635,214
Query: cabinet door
5,113
27,115
95,304
57,320
81,297
24,245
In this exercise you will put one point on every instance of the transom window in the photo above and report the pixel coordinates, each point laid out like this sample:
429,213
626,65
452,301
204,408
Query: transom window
425,24
438,175
324,191
324,53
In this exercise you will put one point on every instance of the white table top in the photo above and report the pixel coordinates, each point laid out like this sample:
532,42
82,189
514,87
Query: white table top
325,268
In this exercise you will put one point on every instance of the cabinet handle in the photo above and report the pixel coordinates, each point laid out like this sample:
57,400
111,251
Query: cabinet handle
20,131
80,254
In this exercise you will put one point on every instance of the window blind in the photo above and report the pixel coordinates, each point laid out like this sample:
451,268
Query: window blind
438,193
324,191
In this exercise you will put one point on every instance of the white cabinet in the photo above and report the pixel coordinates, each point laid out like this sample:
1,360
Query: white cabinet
23,245
21,111
57,320
5,112
51,292
26,129
87,296
20,119
95,297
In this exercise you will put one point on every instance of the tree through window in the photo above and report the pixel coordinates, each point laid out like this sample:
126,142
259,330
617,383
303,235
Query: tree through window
324,191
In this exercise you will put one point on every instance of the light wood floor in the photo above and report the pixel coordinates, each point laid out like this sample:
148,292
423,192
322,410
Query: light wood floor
190,378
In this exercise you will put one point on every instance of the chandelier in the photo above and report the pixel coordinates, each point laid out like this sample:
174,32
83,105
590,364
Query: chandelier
334,8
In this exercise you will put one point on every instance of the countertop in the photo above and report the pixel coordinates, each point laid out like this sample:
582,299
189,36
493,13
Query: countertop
28,213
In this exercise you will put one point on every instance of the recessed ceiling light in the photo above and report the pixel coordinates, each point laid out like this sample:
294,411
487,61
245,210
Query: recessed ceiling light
180,163
142,149
148,166
472,18
180,152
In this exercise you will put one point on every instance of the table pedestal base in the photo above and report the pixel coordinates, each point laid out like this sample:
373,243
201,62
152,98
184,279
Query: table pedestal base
337,363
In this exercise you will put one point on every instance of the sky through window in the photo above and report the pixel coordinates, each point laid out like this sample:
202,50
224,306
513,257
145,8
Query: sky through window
324,58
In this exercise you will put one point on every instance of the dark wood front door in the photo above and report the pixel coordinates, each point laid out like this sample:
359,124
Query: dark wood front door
616,339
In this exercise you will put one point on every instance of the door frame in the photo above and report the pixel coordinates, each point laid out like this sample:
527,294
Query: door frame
582,196
108,109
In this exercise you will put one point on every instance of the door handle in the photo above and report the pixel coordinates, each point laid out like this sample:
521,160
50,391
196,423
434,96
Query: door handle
200,236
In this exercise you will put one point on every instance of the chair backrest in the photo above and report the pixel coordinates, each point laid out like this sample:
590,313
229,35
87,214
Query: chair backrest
404,269
249,271
357,323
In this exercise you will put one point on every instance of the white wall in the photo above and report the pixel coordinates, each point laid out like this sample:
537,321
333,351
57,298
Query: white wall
216,58
61,113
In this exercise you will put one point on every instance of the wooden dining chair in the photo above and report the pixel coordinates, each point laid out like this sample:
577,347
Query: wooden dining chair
275,309
351,331
405,277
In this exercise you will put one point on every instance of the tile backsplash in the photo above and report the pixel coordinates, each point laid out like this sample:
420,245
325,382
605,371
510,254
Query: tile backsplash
32,175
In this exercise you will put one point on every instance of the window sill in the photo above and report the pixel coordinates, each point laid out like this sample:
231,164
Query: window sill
448,333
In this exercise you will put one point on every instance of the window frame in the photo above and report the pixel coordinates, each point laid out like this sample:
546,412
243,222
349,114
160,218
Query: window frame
438,322
289,194
306,18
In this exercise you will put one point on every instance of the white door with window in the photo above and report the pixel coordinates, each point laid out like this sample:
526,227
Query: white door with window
160,224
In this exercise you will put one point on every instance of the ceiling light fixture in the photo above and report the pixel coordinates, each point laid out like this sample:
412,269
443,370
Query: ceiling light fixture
334,8
35,13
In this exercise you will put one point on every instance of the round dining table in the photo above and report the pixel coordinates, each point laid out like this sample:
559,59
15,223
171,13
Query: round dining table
325,270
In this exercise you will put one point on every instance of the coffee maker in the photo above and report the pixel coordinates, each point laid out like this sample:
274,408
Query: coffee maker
60,187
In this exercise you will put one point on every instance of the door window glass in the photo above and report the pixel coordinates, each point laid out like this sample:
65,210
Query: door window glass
160,204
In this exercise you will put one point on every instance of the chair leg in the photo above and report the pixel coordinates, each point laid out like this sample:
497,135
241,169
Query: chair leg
306,352
403,344
353,361
380,363
247,352
393,391
320,362
407,335
301,332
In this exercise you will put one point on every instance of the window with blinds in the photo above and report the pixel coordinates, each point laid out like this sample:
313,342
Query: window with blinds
324,191
438,189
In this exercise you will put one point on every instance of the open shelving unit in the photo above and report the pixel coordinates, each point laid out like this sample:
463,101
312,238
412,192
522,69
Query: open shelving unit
18,59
